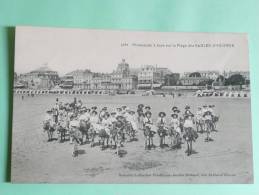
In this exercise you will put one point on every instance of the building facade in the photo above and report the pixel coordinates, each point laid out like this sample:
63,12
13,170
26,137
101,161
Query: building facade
42,78
150,76
81,78
67,82
122,79
129,83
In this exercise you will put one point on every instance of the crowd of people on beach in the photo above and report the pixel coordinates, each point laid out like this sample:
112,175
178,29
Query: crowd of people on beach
112,128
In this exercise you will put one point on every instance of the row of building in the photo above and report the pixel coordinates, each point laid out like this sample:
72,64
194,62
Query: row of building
123,78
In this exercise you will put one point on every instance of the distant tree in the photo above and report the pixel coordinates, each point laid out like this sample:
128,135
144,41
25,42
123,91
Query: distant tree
235,79
171,79
195,74
220,78
210,81
179,83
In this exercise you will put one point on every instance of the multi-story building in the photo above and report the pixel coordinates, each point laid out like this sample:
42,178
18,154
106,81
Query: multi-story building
134,71
67,82
146,75
129,83
42,78
122,79
150,76
82,78
123,68
102,82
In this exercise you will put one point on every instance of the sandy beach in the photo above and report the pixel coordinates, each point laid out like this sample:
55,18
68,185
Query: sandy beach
228,159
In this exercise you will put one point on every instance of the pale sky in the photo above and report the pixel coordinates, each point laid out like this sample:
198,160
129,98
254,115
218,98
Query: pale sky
69,49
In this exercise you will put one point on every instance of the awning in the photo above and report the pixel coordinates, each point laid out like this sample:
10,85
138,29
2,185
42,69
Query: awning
157,85
144,85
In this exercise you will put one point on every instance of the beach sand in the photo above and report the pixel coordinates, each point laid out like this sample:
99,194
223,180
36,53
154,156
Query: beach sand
228,159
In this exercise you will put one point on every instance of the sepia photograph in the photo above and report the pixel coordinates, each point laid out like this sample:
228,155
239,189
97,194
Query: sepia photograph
141,107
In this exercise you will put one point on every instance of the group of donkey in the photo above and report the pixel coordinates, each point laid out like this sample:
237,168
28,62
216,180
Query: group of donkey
175,140
87,134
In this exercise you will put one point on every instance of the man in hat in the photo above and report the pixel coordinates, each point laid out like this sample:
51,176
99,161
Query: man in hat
187,111
102,113
161,127
208,125
148,121
147,109
188,122
161,121
55,112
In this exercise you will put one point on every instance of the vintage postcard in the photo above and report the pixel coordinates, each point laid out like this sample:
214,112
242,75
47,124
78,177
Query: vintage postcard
105,106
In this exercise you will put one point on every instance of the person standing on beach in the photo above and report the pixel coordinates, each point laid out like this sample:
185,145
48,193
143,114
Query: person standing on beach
55,112
208,125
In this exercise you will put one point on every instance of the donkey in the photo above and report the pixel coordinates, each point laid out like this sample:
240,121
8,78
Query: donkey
190,135
84,128
175,138
50,129
148,134
104,138
162,132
